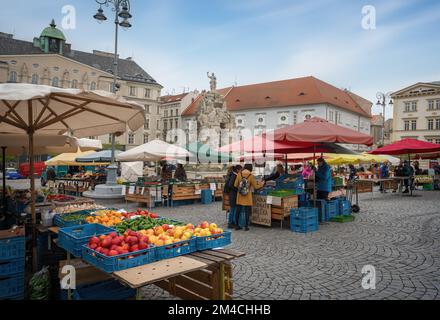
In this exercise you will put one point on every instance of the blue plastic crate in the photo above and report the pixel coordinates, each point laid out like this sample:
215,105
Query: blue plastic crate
11,267
15,297
214,241
206,196
304,228
73,238
303,213
60,222
304,197
11,286
176,249
332,209
12,248
120,262
345,207
178,203
107,290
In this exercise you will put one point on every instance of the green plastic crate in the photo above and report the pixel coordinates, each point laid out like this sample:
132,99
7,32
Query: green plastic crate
428,187
342,219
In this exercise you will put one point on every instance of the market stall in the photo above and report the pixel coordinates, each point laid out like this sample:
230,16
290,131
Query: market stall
38,109
141,248
408,148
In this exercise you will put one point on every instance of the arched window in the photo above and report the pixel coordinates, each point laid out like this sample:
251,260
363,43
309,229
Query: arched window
55,82
93,86
35,79
13,76
74,84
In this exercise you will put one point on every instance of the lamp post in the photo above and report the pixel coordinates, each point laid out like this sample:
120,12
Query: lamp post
121,8
384,99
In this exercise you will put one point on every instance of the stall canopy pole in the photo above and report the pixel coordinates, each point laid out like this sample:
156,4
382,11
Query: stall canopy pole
32,181
286,164
314,177
4,178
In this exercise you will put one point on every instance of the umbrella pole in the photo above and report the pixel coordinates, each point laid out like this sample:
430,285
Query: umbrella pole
4,178
314,177
286,164
34,216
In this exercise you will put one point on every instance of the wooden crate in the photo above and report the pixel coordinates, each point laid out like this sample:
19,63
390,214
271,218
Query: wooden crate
281,208
364,186
199,285
141,195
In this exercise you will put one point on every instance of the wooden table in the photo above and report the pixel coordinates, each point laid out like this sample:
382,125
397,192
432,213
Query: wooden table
202,275
205,275
401,181
373,182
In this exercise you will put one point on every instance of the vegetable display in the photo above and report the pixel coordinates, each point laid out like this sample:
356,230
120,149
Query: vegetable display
113,244
142,223
107,218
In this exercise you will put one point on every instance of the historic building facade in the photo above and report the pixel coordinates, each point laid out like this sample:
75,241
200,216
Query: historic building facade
49,60
417,112
263,107
171,108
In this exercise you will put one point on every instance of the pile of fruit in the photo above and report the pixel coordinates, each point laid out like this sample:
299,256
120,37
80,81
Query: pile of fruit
205,229
59,198
140,212
107,218
142,223
113,244
77,207
166,234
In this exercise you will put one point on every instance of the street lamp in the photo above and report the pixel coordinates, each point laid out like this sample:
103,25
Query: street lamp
121,8
382,100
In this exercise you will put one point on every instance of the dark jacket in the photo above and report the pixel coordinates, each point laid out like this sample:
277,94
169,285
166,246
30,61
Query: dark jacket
180,174
231,189
50,174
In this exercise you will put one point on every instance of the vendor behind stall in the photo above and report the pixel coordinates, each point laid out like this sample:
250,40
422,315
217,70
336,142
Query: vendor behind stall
324,181
51,176
277,174
167,172
180,173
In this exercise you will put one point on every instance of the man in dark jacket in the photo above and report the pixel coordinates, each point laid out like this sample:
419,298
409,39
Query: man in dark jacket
232,191
51,176
408,172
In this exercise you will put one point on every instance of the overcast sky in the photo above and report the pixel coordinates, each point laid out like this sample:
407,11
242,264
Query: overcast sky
251,41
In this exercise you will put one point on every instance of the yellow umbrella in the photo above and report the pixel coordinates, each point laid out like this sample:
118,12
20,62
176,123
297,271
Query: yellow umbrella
341,159
68,159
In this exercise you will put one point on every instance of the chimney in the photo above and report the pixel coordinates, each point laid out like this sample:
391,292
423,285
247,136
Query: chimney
104,54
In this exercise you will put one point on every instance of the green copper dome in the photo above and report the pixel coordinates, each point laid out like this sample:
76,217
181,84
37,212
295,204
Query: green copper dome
53,32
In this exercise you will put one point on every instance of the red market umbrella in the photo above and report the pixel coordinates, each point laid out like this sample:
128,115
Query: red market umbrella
408,146
319,130
259,144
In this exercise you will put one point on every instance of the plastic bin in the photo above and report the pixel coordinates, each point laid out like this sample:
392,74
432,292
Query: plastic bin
12,248
11,286
107,290
343,218
59,219
11,267
73,238
176,249
120,262
206,196
214,241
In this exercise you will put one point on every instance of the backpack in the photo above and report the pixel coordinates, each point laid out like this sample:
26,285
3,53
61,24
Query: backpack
244,186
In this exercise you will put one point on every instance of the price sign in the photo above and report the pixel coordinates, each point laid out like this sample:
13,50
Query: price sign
213,186
131,190
269,200
142,190
124,189
261,211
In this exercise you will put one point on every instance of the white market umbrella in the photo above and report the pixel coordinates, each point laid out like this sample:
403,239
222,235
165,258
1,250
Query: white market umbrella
38,110
18,144
155,150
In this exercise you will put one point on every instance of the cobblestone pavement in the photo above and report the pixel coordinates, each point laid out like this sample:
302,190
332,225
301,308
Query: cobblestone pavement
398,235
